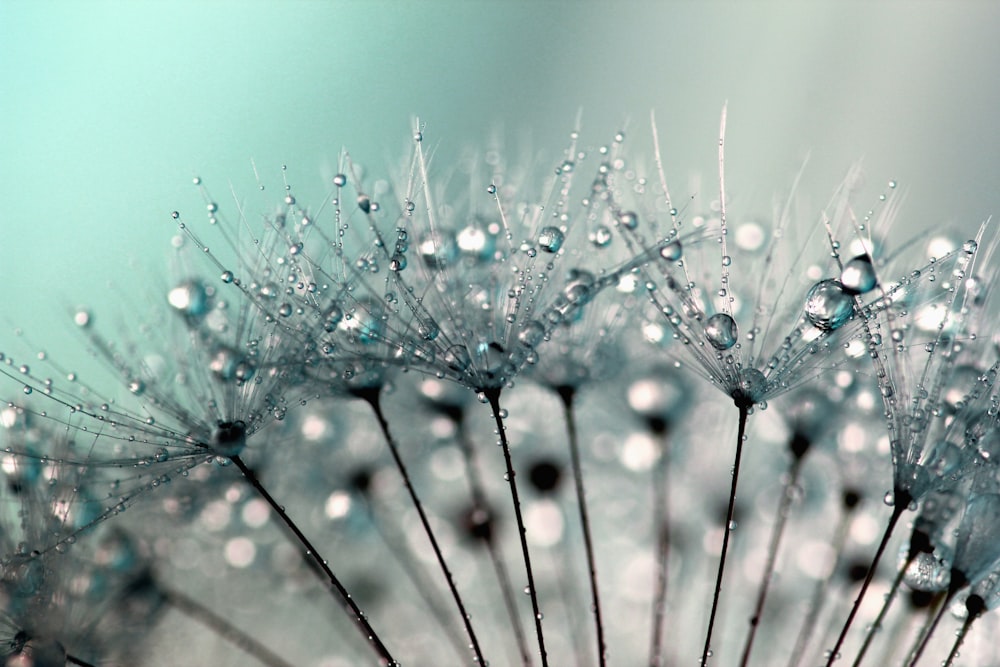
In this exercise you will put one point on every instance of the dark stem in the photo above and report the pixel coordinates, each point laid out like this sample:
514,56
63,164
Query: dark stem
928,631
567,394
772,555
479,502
312,556
372,397
419,578
73,660
661,523
902,499
819,595
741,432
877,625
974,606
217,624
493,396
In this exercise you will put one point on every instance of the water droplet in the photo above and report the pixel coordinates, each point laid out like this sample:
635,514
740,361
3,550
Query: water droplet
364,203
970,247
721,331
550,239
340,180
285,309
601,236
491,189
227,277
889,498
858,276
672,251
189,298
629,220
828,305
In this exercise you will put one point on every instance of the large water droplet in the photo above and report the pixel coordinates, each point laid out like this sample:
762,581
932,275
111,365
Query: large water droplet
550,239
858,276
828,305
672,251
721,331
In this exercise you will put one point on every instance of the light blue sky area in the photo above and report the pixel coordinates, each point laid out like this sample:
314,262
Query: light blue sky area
107,109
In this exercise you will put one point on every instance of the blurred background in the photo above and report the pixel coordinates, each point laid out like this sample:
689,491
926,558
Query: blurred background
108,109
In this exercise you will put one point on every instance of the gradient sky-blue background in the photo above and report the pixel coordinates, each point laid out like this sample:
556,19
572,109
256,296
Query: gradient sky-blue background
107,109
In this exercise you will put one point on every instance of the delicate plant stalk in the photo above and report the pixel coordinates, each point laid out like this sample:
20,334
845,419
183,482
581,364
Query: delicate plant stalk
313,556
661,523
220,626
493,396
820,592
975,606
929,627
476,488
418,578
372,397
772,555
877,625
902,499
567,394
741,432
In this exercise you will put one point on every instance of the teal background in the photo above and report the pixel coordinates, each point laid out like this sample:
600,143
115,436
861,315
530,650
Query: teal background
107,109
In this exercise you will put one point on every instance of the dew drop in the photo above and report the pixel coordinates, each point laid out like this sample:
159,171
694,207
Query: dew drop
828,305
340,180
227,277
858,276
672,251
721,331
550,239
601,236
629,220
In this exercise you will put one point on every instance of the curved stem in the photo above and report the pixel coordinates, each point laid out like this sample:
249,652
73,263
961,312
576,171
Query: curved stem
567,395
741,432
312,556
772,555
372,397
902,499
73,660
219,625
975,606
928,631
479,503
418,577
877,625
820,592
661,523
493,396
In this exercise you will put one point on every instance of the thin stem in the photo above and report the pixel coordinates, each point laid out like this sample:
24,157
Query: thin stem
661,523
925,635
313,556
202,614
741,432
819,593
902,499
372,397
493,396
772,555
975,606
418,577
476,488
73,660
877,625
567,395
